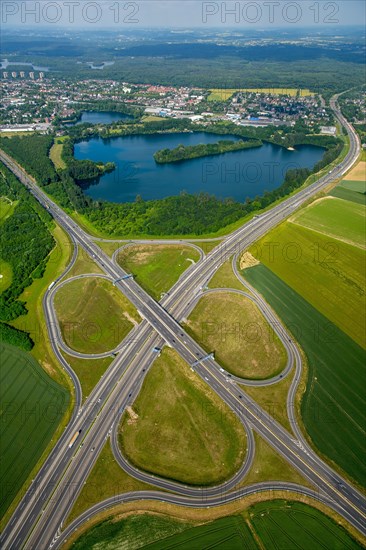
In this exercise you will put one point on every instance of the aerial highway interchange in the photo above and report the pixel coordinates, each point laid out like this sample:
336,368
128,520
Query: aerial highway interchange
38,520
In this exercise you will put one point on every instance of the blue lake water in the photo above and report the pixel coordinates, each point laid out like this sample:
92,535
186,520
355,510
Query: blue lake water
237,175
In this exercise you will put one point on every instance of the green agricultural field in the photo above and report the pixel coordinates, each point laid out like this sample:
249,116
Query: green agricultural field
354,191
327,272
230,532
334,402
32,408
283,524
130,533
157,267
336,218
94,316
233,327
6,208
178,428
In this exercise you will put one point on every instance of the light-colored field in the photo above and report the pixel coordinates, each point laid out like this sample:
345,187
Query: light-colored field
56,152
343,220
218,94
327,272
358,173
183,430
94,316
233,327
157,267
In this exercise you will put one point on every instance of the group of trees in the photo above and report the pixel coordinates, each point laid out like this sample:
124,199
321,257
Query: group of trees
183,152
25,242
82,170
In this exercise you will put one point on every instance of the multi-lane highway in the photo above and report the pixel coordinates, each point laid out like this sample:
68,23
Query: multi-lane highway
40,514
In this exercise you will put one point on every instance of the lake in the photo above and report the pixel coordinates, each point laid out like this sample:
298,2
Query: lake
100,117
237,175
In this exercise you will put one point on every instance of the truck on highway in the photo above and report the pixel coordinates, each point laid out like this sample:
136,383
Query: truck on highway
51,285
74,438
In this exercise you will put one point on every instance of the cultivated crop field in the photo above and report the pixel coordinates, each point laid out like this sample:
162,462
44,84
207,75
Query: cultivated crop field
157,267
94,316
328,273
343,220
218,94
280,524
178,428
334,403
56,152
233,327
32,408
354,191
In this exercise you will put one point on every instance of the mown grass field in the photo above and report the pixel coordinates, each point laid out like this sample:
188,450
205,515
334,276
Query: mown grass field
56,152
234,328
358,173
94,316
157,267
84,264
183,431
225,278
32,408
343,220
333,405
354,191
328,273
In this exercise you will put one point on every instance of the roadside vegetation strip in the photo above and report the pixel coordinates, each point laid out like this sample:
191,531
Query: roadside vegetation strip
32,407
94,316
335,218
157,267
326,272
83,264
235,329
333,405
178,428
88,371
105,480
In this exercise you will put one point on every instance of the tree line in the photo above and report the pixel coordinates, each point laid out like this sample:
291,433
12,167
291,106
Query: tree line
185,152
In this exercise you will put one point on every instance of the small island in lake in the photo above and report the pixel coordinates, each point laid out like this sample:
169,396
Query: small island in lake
183,152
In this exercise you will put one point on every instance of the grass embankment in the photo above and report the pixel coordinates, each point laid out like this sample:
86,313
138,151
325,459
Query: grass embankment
234,328
270,525
225,278
157,267
89,371
32,407
106,479
327,272
94,316
56,153
83,265
180,429
333,404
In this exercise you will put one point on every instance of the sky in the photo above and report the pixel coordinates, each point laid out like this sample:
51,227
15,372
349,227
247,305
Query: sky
120,14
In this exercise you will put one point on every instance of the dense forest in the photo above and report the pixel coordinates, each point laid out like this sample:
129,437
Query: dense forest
183,152
180,215
25,243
